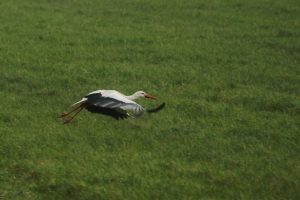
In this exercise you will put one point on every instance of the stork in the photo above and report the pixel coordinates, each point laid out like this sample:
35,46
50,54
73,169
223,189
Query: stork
111,103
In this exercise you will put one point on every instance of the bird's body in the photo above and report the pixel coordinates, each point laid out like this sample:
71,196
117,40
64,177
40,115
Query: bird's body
111,103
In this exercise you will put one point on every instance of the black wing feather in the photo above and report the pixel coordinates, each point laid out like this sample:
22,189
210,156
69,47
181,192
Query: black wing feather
158,108
94,105
117,114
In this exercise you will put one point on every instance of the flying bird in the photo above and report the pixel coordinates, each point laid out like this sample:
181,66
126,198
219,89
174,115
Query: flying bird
111,103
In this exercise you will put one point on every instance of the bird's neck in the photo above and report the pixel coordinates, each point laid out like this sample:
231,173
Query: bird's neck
132,97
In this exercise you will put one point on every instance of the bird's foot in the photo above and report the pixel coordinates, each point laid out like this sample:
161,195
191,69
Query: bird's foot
63,115
67,121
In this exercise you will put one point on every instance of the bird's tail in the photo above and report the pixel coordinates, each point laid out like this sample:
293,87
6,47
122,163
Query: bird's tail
82,101
158,108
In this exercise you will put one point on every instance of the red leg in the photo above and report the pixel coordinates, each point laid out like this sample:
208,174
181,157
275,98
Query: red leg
70,119
66,114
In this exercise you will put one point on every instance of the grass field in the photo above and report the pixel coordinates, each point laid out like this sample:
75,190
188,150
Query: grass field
229,72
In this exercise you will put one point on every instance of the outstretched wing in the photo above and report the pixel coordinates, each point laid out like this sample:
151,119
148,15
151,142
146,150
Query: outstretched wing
112,105
117,114
158,108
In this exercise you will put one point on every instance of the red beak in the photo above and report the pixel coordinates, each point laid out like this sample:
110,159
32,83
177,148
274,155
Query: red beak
149,96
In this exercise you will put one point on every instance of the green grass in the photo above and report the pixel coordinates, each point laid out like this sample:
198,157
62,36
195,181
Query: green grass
228,71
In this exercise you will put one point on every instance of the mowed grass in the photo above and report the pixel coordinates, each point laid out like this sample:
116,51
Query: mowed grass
227,70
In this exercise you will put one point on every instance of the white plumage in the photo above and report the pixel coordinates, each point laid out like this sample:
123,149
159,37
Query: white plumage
111,103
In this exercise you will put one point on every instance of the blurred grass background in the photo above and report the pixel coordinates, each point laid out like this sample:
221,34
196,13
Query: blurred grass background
228,71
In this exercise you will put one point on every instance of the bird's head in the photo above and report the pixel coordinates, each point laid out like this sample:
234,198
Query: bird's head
144,94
